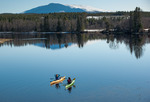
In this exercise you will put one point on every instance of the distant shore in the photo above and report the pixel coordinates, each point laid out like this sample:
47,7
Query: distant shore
83,32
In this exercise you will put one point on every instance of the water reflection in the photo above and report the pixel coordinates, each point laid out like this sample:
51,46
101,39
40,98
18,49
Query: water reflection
135,43
69,89
57,86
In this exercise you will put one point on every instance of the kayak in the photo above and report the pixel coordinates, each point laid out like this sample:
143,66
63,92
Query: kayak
58,81
71,84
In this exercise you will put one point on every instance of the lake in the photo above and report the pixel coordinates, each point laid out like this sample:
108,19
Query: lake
107,68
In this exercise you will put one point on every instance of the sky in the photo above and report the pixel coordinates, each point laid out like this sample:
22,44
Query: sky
18,6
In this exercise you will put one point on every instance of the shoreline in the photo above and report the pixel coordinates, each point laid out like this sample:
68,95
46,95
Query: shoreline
83,32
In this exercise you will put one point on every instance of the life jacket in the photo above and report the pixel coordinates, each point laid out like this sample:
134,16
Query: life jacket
69,81
57,78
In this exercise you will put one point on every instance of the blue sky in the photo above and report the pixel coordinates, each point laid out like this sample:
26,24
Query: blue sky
17,6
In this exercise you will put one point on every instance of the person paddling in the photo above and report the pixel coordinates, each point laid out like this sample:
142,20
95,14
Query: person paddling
69,80
57,76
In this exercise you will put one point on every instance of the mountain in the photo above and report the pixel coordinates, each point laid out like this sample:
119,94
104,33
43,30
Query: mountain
57,8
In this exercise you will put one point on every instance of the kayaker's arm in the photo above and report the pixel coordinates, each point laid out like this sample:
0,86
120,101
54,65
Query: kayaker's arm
58,75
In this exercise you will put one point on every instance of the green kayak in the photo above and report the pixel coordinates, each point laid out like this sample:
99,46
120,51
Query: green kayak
69,85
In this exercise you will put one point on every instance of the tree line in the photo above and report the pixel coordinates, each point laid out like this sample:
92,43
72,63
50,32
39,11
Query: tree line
75,22
54,22
137,21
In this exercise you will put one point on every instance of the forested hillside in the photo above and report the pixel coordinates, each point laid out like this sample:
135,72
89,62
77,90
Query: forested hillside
136,21
42,22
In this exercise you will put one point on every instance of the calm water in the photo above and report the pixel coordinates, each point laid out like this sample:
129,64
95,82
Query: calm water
107,68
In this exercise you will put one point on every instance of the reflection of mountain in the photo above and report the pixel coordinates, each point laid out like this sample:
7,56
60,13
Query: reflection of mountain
53,46
135,43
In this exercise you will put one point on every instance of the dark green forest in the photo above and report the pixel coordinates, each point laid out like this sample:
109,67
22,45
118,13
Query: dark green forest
75,22
127,22
55,22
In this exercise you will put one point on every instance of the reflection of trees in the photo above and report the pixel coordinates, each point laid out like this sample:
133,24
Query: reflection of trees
134,43
113,44
138,51
80,40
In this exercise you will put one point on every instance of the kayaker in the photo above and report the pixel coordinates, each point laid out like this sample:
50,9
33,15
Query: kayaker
69,80
57,76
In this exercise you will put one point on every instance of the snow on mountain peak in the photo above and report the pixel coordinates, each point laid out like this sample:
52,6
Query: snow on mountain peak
87,8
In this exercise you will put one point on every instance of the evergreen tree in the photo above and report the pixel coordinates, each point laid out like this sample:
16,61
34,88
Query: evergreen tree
131,23
107,25
46,24
80,24
135,20
59,27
